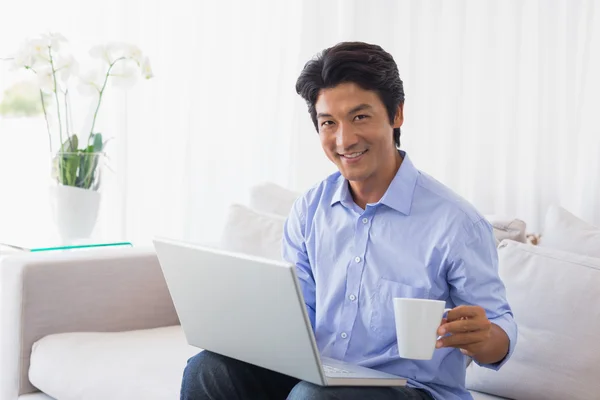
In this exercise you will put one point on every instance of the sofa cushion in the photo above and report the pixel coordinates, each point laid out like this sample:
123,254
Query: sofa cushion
554,297
272,198
144,364
484,396
36,396
251,232
563,230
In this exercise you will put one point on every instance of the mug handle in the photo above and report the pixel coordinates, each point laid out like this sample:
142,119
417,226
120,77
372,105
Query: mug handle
445,311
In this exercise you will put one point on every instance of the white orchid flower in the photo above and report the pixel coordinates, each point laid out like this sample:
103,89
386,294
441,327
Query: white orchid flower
101,52
66,66
54,40
134,53
45,79
90,83
32,54
39,50
124,74
108,53
114,51
147,69
22,59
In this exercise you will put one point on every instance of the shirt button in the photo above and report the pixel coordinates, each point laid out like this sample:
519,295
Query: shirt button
352,297
344,335
365,220
357,259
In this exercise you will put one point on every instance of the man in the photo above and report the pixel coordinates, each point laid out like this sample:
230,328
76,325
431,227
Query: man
377,229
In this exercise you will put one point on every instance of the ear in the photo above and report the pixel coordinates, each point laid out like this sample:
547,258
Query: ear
399,118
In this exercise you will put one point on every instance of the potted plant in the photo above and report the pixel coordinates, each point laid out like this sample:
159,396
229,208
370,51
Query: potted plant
78,160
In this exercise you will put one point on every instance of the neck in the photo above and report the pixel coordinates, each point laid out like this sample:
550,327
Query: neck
372,189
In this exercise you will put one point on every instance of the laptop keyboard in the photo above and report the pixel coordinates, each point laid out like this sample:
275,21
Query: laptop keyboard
334,370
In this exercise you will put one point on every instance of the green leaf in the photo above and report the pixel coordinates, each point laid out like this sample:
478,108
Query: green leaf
78,167
70,145
98,144
66,162
69,163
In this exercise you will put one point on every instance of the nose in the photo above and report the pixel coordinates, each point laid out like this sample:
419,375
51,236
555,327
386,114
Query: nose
346,138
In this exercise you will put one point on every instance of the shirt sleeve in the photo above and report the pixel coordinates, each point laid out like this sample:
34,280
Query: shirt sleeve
474,280
294,251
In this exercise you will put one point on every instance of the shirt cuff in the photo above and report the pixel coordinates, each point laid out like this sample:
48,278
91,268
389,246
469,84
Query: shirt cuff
508,325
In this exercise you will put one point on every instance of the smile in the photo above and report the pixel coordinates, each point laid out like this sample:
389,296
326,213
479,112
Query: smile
353,155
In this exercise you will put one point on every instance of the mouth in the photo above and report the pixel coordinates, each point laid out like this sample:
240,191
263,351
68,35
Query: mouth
353,156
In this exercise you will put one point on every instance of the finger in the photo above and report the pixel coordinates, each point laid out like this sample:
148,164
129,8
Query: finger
468,352
465,311
463,326
442,323
462,339
472,350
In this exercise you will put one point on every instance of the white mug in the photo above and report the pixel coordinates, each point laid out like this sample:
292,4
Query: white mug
417,322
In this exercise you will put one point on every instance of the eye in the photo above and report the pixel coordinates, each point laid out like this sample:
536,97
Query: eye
360,117
326,123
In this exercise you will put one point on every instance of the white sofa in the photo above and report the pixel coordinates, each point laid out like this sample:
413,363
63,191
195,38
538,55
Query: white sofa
100,324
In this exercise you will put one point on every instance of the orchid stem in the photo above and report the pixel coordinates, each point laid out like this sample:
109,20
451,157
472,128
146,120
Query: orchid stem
67,116
56,96
100,93
46,118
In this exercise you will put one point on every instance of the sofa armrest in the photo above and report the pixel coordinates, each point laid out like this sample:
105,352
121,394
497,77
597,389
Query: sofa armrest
105,290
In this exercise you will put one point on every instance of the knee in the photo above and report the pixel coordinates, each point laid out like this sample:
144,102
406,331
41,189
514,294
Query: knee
201,372
308,391
202,362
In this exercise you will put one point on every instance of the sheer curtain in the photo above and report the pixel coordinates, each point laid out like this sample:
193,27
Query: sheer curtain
500,104
501,96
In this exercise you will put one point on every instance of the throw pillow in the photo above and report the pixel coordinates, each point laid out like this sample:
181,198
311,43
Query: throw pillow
272,198
251,232
563,230
554,298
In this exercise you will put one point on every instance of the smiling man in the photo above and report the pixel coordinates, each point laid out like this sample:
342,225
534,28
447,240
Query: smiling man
377,229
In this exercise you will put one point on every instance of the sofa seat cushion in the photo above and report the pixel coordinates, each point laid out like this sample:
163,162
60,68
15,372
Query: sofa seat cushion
36,396
145,364
484,396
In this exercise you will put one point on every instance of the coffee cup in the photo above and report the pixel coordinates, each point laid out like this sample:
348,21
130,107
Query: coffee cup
417,322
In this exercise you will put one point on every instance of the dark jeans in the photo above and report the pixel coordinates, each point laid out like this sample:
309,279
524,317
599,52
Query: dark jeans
212,376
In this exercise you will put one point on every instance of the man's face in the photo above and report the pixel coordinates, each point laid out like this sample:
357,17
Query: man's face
355,131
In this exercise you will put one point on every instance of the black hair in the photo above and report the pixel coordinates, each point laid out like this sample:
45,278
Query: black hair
367,65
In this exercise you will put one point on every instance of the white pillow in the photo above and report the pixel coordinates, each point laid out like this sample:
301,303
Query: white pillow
564,231
251,232
272,198
554,297
143,364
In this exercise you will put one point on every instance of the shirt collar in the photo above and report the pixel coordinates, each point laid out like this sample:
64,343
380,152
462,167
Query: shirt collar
398,196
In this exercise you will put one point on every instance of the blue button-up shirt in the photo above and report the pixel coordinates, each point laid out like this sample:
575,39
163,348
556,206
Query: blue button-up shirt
420,240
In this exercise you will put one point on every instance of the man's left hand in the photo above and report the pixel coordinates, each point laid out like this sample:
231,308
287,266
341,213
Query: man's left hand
469,327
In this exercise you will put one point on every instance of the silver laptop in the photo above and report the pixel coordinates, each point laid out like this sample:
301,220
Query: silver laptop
251,309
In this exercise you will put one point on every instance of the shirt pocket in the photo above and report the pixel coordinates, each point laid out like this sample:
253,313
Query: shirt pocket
382,305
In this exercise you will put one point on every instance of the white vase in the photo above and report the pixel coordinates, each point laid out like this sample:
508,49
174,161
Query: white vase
75,211
74,194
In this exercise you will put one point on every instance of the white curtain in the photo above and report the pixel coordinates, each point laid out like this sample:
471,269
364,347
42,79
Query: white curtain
501,99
